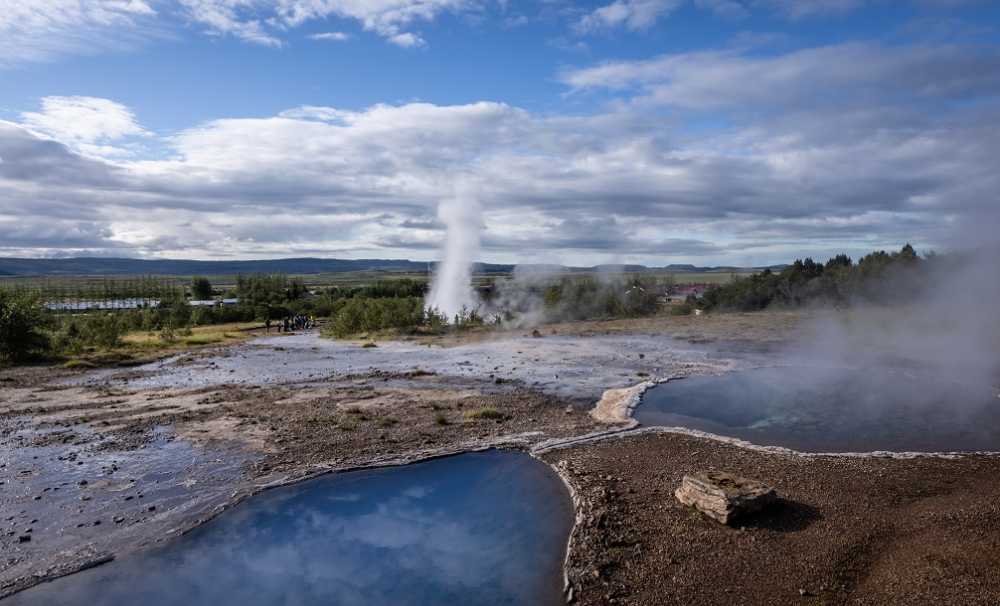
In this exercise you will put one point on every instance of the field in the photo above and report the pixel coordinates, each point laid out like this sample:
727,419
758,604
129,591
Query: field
97,287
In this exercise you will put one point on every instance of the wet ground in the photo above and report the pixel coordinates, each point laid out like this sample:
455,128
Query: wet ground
827,409
483,528
69,494
563,366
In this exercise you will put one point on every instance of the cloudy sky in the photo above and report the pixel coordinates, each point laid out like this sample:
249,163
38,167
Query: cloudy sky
652,131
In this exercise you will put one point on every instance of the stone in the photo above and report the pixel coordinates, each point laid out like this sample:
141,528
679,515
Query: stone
724,497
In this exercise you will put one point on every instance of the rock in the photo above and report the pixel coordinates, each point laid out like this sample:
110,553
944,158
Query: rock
723,496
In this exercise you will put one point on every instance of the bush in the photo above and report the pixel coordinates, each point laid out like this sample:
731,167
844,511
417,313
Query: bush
360,314
485,414
22,320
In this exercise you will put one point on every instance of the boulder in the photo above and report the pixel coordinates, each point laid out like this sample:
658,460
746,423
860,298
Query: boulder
724,497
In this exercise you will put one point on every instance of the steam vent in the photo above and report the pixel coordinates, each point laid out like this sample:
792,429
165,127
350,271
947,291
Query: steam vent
723,496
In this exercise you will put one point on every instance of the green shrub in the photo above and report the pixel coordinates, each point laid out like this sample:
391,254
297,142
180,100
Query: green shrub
22,323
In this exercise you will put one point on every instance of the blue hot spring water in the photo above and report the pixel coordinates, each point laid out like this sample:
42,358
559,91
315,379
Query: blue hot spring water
831,410
481,528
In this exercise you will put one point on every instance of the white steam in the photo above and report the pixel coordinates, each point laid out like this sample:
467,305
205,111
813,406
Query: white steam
451,288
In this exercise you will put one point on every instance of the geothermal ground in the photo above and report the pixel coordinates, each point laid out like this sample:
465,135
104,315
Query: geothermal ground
96,464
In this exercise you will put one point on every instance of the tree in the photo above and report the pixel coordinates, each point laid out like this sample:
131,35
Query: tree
201,288
21,321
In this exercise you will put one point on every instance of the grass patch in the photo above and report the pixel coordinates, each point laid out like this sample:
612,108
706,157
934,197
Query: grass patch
200,335
386,422
77,363
486,413
441,419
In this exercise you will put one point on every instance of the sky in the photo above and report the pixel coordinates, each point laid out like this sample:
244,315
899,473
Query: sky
713,132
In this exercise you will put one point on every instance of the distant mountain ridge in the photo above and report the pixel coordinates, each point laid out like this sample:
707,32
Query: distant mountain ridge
120,266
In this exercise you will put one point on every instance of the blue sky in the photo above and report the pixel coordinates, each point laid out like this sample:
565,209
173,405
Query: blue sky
655,131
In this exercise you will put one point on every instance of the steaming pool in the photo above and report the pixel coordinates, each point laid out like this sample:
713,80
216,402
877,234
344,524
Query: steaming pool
831,410
480,528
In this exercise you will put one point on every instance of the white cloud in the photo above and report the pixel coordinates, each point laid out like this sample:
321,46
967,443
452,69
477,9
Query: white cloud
40,30
632,14
87,124
264,21
231,17
730,9
406,40
331,36
847,147
797,9
846,73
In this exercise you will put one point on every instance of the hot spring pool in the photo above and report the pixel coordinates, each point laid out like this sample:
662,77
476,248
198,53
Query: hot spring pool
831,410
482,528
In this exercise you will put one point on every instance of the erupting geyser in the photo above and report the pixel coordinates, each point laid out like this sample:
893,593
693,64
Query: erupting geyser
451,288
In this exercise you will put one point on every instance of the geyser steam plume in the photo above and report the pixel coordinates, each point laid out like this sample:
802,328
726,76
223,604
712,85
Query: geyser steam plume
451,288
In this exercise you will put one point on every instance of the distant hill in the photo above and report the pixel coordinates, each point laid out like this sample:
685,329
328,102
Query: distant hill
111,266
97,266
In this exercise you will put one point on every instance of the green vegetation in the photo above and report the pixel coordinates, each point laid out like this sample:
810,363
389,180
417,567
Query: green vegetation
879,277
364,314
201,288
22,321
486,413
72,317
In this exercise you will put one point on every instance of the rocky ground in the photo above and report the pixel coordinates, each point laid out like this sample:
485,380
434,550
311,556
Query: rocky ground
847,531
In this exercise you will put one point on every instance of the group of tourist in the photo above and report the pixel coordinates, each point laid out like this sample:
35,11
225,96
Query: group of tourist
291,323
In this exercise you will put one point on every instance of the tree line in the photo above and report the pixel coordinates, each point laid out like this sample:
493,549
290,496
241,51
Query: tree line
878,277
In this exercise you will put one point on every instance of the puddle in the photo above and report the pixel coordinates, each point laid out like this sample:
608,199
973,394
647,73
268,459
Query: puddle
481,528
831,410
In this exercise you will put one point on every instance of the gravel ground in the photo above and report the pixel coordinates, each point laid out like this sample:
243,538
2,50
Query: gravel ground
848,530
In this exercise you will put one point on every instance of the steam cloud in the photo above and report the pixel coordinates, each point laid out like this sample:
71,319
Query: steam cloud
451,288
950,329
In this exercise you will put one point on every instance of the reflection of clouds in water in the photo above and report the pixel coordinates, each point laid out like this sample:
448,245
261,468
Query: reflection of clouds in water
472,529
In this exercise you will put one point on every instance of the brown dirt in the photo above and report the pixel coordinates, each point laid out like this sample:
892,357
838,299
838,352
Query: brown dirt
848,531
